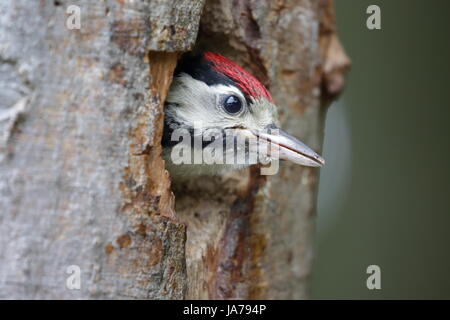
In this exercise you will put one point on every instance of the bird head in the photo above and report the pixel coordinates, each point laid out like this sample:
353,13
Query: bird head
215,93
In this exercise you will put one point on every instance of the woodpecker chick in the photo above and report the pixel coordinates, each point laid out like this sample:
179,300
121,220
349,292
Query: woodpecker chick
213,92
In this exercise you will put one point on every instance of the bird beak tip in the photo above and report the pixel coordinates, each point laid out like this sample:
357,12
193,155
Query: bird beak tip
320,161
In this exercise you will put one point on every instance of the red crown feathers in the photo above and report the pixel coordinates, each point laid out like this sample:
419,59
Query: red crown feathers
244,80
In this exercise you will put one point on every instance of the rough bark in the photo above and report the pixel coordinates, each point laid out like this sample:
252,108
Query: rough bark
250,236
81,177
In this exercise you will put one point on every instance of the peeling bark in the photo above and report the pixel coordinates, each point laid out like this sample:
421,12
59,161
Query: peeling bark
82,181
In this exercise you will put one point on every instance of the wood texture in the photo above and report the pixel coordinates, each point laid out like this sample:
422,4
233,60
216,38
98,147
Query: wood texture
250,236
81,177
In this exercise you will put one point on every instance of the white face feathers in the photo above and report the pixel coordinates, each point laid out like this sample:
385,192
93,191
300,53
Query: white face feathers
193,101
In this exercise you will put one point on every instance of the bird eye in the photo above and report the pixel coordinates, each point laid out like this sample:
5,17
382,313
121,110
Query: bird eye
232,104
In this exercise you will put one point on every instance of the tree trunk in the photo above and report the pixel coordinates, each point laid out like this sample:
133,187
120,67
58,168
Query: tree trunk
82,182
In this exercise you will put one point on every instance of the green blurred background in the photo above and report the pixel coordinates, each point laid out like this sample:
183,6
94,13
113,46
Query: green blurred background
384,194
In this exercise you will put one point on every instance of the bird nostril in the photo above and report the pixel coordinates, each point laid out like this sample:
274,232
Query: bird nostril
271,126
